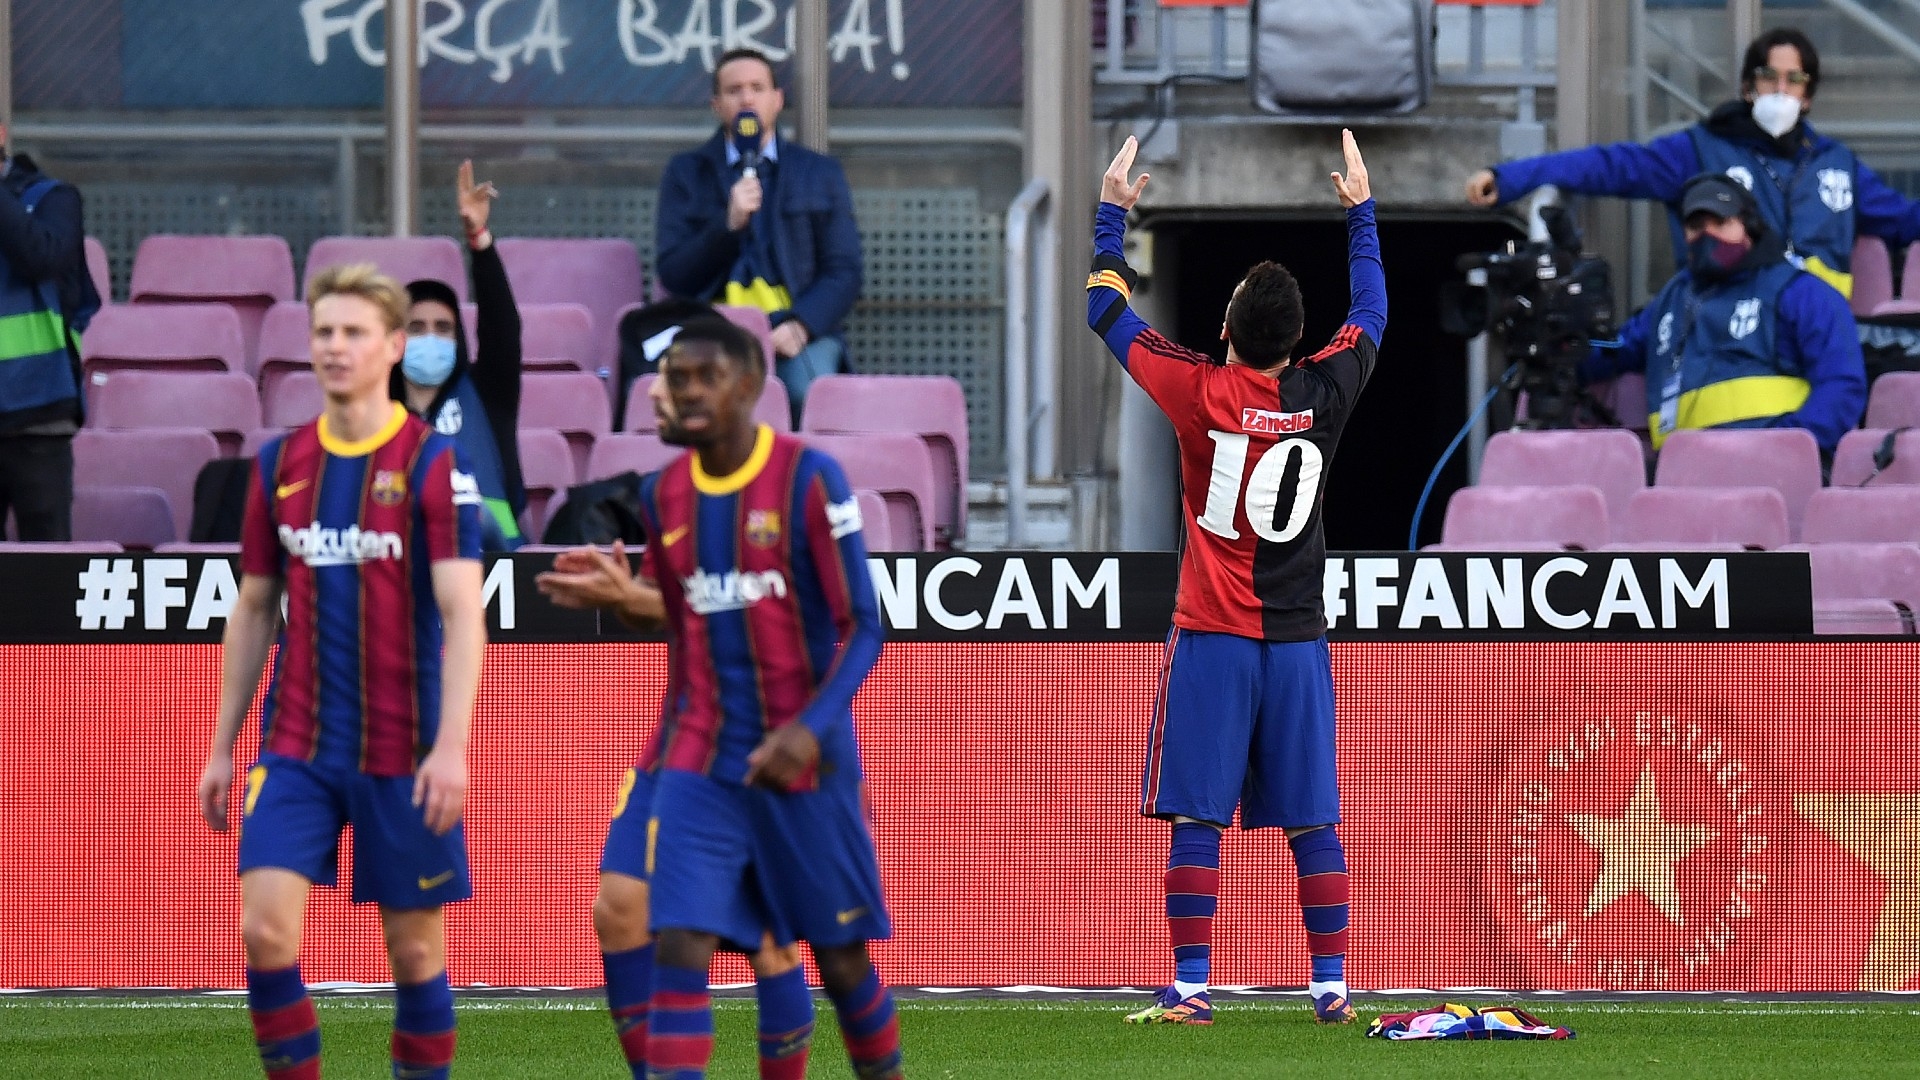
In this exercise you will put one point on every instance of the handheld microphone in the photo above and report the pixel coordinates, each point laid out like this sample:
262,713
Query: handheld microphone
746,142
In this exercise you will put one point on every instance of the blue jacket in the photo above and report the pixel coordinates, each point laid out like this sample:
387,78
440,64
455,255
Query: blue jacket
43,268
1661,168
1813,342
816,245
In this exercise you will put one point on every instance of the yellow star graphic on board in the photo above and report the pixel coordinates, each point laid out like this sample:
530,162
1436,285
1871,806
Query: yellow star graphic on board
1882,831
1638,851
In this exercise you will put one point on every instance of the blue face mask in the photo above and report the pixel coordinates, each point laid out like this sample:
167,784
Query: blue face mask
429,360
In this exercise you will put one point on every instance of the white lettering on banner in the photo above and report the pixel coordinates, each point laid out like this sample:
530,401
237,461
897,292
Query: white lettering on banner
1369,595
1018,593
214,597
544,34
1014,578
1674,584
161,594
1333,590
1502,594
936,607
316,545
1499,596
1544,579
499,585
1106,582
1429,597
898,603
112,591
1622,596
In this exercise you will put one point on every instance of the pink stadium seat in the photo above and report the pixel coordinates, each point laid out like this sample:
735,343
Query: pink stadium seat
615,454
573,403
285,342
292,400
1910,274
1874,514
204,337
166,458
134,517
898,467
557,336
1865,572
1853,459
601,274
251,443
933,408
755,322
547,470
1750,516
1860,617
1785,459
404,258
1501,546
98,269
1894,401
59,547
773,408
1569,515
874,520
223,402
248,273
1610,459
188,547
1672,545
1872,274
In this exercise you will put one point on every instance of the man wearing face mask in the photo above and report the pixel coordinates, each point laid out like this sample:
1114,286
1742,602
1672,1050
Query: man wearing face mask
1740,337
1812,191
474,400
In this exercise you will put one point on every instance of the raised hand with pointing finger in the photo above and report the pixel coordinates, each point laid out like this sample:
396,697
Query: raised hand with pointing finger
1353,188
1115,188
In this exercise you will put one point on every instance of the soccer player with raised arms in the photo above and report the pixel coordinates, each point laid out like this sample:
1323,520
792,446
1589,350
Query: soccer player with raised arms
364,522
759,573
1244,713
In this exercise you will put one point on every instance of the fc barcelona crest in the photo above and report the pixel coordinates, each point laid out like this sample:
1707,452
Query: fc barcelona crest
389,487
763,528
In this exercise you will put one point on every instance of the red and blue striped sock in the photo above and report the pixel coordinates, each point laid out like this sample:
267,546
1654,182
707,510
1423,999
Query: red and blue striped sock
1322,867
423,1029
870,1029
629,984
786,1025
1193,895
679,1024
284,1025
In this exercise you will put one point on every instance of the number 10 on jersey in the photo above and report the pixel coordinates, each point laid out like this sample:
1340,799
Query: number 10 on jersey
1263,487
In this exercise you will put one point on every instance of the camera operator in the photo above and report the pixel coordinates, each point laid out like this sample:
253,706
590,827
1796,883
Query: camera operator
1740,338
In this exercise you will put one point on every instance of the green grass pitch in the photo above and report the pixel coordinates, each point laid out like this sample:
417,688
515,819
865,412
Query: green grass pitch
196,1038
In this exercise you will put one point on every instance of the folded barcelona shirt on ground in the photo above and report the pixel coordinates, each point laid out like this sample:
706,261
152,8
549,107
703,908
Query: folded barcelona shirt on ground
1450,1021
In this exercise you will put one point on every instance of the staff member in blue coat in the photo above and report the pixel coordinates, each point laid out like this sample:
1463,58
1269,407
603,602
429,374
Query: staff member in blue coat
1811,190
477,400
1740,338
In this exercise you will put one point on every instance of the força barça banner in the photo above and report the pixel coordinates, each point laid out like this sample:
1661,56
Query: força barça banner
1038,597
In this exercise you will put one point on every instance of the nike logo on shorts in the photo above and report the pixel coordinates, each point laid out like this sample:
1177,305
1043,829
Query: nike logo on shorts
434,882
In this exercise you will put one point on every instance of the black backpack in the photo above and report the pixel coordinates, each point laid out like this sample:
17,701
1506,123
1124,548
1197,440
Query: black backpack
642,342
599,512
220,500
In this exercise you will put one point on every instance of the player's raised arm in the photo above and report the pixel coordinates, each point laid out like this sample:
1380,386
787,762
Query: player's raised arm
1110,284
1365,273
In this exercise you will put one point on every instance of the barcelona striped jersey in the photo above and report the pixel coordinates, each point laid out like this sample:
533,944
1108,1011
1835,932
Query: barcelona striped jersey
354,530
769,607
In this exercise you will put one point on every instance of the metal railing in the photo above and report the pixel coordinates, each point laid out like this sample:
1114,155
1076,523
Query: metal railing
1032,316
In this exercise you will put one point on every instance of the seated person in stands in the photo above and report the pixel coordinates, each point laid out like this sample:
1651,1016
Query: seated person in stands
475,400
1740,337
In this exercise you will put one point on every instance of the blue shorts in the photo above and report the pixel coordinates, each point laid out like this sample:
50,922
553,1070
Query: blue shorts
625,851
294,813
738,861
1246,723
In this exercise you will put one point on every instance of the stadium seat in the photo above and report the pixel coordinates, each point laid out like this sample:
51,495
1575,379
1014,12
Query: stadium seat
1865,572
1626,395
1894,401
1610,459
874,521
1872,274
601,274
1750,516
99,269
132,516
546,470
1910,274
557,336
292,399
573,403
404,258
185,337
1691,546
898,467
285,343
1785,459
1860,617
59,547
188,547
1853,459
1875,514
252,441
615,454
1573,515
165,458
248,273
773,407
755,322
1507,546
223,402
933,408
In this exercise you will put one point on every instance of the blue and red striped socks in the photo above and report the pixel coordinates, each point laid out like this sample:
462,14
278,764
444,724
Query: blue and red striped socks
679,1024
284,1025
870,1029
1322,867
423,1029
786,1025
1193,896
629,985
